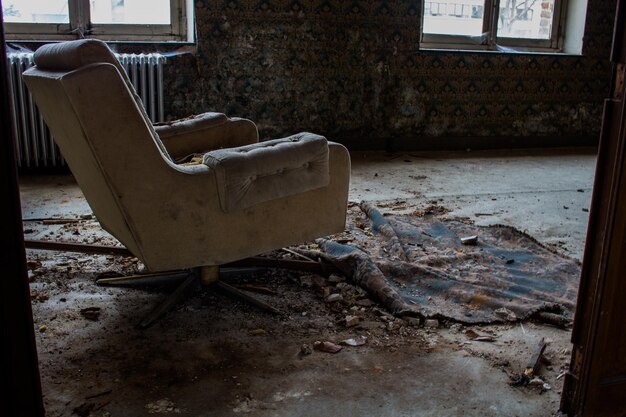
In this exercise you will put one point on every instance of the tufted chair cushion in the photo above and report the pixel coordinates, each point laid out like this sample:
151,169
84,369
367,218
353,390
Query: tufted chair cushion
264,171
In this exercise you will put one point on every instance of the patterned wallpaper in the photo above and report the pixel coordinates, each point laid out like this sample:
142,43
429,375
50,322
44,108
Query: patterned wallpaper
352,70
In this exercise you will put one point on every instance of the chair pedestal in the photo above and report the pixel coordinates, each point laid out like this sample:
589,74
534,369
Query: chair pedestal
208,276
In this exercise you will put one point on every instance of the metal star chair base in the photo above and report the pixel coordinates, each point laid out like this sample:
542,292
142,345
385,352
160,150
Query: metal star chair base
208,276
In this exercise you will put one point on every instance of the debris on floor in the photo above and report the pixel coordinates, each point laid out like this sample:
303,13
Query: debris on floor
91,313
351,321
211,340
505,314
426,267
469,240
306,349
355,341
326,346
333,298
431,323
529,375
164,406
257,288
478,337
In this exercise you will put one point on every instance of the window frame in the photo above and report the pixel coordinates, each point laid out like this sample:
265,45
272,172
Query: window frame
489,39
80,26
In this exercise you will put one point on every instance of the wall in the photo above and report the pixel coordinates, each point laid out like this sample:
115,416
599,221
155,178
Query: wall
352,70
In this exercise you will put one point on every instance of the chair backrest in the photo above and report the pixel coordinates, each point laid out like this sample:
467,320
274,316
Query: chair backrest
101,127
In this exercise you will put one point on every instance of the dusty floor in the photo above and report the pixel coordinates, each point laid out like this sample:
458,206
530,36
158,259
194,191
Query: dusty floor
214,356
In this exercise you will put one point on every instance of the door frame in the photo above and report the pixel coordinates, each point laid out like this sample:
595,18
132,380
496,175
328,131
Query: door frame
19,368
588,389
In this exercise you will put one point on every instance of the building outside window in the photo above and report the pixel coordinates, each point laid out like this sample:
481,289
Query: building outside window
153,20
488,24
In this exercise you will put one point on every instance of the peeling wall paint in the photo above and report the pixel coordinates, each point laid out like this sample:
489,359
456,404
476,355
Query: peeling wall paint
352,70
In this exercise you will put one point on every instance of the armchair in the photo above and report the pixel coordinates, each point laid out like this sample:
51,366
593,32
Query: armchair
243,198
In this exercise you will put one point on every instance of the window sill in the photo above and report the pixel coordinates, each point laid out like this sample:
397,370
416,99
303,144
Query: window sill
119,46
501,50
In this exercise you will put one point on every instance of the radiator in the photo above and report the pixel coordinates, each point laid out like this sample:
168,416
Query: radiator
35,147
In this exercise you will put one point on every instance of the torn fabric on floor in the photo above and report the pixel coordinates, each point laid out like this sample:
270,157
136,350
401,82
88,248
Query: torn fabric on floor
417,265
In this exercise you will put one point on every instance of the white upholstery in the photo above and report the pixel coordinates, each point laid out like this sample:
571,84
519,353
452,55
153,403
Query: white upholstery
265,171
66,56
171,216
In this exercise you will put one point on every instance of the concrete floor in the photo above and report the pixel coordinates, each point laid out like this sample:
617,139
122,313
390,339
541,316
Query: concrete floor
207,357
543,193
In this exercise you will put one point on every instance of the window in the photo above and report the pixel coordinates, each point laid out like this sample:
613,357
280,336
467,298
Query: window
489,24
127,20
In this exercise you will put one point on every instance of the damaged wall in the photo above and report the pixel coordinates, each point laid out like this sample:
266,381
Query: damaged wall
351,70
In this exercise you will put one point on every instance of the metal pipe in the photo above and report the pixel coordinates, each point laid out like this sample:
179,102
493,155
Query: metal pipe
143,79
45,140
151,104
34,137
31,110
160,90
23,119
11,66
134,78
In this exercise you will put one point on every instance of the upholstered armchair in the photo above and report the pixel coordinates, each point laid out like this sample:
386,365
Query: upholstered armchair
190,194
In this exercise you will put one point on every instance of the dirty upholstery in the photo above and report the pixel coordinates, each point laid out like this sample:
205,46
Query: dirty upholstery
202,132
265,171
76,54
177,138
168,215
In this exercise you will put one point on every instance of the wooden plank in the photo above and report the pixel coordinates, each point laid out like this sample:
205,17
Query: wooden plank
77,247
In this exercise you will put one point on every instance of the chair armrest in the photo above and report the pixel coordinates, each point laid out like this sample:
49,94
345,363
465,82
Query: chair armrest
205,132
269,170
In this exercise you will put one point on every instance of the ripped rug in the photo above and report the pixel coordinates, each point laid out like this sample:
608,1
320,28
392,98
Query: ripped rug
418,266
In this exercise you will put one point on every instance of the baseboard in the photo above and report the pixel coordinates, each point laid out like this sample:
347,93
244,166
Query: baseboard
464,143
